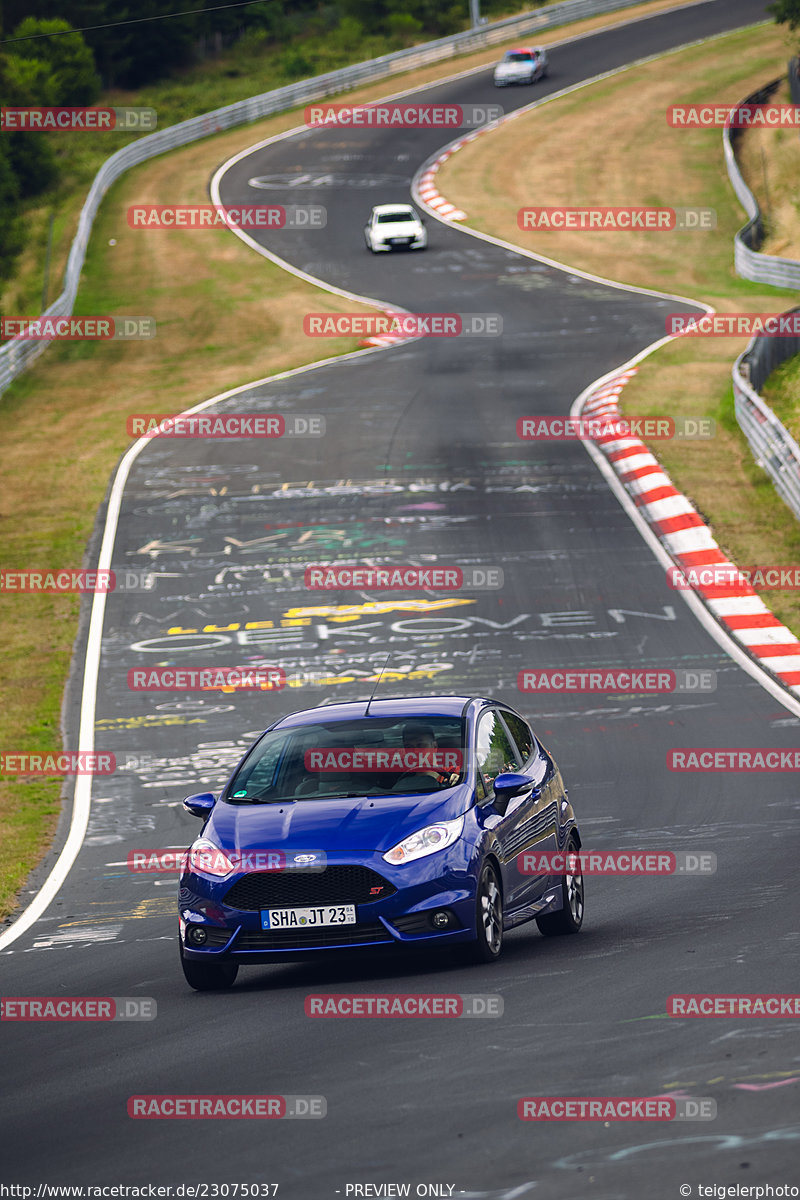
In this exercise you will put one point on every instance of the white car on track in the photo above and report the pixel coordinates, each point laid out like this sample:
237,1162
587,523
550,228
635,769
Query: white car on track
395,225
526,64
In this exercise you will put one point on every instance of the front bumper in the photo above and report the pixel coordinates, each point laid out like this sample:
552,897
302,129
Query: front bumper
509,80
418,243
439,883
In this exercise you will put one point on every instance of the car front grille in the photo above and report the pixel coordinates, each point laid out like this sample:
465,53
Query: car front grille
299,939
344,884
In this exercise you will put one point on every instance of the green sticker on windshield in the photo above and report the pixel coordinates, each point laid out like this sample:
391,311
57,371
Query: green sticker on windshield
239,794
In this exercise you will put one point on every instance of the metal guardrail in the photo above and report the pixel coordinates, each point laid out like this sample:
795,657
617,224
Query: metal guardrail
774,448
794,80
750,264
17,354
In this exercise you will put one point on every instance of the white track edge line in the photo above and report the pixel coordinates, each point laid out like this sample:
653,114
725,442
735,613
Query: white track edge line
712,626
82,795
575,87
81,806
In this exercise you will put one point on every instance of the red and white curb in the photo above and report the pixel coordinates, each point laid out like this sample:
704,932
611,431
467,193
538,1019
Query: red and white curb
687,539
385,339
428,191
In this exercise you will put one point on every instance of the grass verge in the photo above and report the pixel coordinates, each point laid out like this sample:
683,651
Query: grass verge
610,145
246,70
770,163
225,316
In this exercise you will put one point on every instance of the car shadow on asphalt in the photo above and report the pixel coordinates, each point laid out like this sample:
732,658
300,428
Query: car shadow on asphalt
407,970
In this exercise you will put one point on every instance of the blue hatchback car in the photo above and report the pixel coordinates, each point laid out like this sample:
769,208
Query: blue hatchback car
395,822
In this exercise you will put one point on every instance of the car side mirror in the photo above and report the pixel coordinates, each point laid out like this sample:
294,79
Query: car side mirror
511,784
200,805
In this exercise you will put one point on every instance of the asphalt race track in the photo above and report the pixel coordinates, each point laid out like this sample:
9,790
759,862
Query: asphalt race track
420,462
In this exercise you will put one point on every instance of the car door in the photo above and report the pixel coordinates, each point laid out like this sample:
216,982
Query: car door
536,828
497,754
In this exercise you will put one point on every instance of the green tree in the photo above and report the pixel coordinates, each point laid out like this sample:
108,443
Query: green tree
786,12
10,225
26,82
64,56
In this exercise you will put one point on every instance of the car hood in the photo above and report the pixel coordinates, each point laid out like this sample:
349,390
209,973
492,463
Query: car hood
372,823
398,229
513,68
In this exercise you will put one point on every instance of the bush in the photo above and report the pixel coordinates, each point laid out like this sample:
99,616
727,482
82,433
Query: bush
294,63
10,226
33,162
67,61
403,27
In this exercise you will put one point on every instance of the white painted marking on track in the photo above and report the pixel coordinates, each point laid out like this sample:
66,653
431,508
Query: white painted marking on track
82,797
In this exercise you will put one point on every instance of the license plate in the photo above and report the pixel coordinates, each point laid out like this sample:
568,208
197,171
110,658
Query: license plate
308,918
406,241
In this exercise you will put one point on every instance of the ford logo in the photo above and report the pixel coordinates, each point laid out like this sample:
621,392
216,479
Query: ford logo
305,858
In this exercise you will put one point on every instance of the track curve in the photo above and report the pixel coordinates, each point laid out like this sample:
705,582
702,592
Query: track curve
421,459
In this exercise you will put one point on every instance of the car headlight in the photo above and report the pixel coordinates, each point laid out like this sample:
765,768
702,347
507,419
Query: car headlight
207,859
425,841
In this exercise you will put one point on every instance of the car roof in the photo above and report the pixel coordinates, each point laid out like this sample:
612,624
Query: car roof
524,50
383,208
389,706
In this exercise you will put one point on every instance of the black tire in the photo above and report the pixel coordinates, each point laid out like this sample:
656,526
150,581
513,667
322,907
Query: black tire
488,917
211,976
569,917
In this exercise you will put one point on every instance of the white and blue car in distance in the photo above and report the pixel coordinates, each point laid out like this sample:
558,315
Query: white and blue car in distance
525,64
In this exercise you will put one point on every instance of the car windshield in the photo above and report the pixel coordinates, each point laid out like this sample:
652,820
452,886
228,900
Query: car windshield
518,56
325,760
399,214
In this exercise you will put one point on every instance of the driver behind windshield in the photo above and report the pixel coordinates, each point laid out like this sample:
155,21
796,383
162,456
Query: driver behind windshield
421,737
